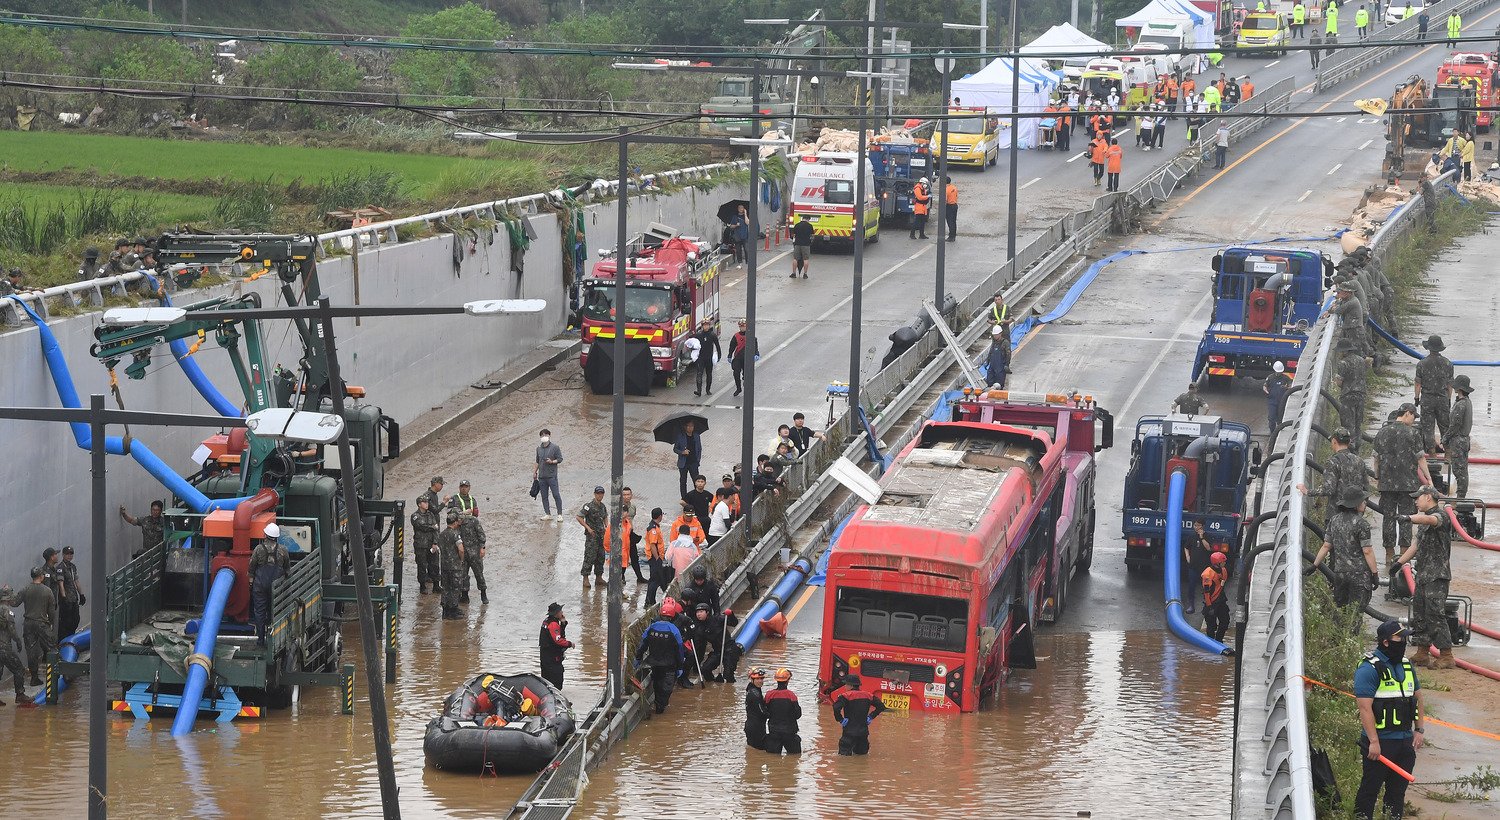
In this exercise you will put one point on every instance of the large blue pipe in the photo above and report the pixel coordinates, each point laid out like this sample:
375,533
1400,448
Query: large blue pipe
67,650
67,395
780,594
197,676
195,374
1172,582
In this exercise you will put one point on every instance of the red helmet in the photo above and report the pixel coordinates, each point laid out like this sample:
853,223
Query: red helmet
1217,558
482,702
670,608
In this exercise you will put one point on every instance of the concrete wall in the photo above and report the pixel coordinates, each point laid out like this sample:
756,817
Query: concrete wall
407,365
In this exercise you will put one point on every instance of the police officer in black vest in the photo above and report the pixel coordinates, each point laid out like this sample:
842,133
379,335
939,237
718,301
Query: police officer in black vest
1390,711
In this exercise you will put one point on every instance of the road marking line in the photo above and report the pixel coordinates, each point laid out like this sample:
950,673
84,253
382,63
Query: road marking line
801,602
869,283
1305,195
1332,170
1298,124
1080,156
1033,182
760,267
1124,413
1273,64
1366,145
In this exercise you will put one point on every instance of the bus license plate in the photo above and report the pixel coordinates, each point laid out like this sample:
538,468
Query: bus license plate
898,702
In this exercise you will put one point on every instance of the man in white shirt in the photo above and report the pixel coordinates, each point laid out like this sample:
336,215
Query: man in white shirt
719,517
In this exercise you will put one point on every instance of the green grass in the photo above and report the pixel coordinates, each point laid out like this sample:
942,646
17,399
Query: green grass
168,207
147,158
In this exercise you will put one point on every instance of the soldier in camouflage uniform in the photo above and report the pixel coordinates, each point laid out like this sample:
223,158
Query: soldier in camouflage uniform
1434,390
1429,621
1342,471
152,526
1351,313
434,495
1456,439
450,546
424,525
10,658
472,533
1350,278
1400,468
594,517
40,622
1347,540
1352,374
1190,402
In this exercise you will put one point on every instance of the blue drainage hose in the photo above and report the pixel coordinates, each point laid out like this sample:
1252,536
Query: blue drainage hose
67,395
222,405
1172,581
68,651
780,595
1412,352
203,646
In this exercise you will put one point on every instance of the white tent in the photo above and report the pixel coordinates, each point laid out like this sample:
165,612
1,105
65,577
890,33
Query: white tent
1201,21
1063,37
992,86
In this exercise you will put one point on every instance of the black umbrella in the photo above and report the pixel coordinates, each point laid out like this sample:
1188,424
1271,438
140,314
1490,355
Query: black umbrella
600,370
667,431
730,208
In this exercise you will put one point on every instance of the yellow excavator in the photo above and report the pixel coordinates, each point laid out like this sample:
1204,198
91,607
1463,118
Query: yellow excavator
1401,129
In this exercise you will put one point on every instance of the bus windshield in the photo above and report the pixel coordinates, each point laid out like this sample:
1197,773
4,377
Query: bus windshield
901,619
642,304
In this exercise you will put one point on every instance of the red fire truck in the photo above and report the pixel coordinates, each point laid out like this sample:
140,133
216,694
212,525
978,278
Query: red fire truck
1478,71
937,587
672,285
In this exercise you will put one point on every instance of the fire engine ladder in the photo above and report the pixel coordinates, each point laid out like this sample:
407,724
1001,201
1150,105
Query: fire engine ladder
970,371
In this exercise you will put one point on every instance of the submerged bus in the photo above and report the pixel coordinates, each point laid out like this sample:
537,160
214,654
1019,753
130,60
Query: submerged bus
934,590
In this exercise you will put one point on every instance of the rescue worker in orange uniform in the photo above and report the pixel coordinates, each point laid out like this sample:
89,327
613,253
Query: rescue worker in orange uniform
950,209
656,552
921,198
855,709
1189,88
1113,156
689,519
1247,90
624,545
1097,148
1215,606
1172,89
1065,127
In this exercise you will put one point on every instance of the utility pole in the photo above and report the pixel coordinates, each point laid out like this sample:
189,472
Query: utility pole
615,615
747,420
1015,122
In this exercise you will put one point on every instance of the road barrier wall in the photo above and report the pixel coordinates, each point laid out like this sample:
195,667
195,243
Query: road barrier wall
408,366
1273,773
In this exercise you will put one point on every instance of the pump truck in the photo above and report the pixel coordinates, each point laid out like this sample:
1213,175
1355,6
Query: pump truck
1265,299
1216,456
156,599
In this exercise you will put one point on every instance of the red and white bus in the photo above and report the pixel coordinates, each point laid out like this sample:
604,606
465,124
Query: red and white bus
934,590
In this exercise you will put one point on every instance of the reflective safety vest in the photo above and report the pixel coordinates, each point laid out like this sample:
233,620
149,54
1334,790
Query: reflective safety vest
952,194
999,313
1299,14
919,199
1395,701
1213,586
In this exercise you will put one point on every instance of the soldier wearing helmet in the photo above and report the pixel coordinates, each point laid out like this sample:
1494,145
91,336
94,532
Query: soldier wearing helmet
782,712
755,710
661,648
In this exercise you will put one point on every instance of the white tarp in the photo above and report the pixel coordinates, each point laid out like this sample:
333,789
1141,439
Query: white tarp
1201,21
991,88
1063,37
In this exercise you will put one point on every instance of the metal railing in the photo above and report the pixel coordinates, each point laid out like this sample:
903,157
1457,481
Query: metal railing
1347,63
1273,621
92,292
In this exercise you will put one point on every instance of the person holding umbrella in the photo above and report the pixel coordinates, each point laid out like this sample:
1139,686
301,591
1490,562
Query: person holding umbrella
739,225
684,431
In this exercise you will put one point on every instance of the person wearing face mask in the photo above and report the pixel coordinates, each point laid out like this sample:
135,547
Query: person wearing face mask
544,474
1390,712
554,642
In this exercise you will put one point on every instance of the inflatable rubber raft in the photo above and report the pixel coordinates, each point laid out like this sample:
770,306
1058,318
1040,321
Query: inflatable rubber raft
507,724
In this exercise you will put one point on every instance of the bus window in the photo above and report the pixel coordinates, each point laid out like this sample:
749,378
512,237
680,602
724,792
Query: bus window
838,192
900,619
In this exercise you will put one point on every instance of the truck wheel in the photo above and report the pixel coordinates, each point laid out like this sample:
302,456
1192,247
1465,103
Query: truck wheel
1218,384
1086,556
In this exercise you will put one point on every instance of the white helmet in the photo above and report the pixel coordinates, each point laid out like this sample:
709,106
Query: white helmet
924,180
1278,367
273,532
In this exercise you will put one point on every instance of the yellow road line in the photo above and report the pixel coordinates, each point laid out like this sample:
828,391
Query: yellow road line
791,614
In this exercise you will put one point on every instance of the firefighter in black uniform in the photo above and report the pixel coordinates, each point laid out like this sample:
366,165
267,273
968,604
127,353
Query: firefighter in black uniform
782,712
755,710
554,641
855,709
661,648
720,646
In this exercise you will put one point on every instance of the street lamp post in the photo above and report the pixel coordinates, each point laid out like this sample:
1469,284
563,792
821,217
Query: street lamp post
1015,121
857,296
944,63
